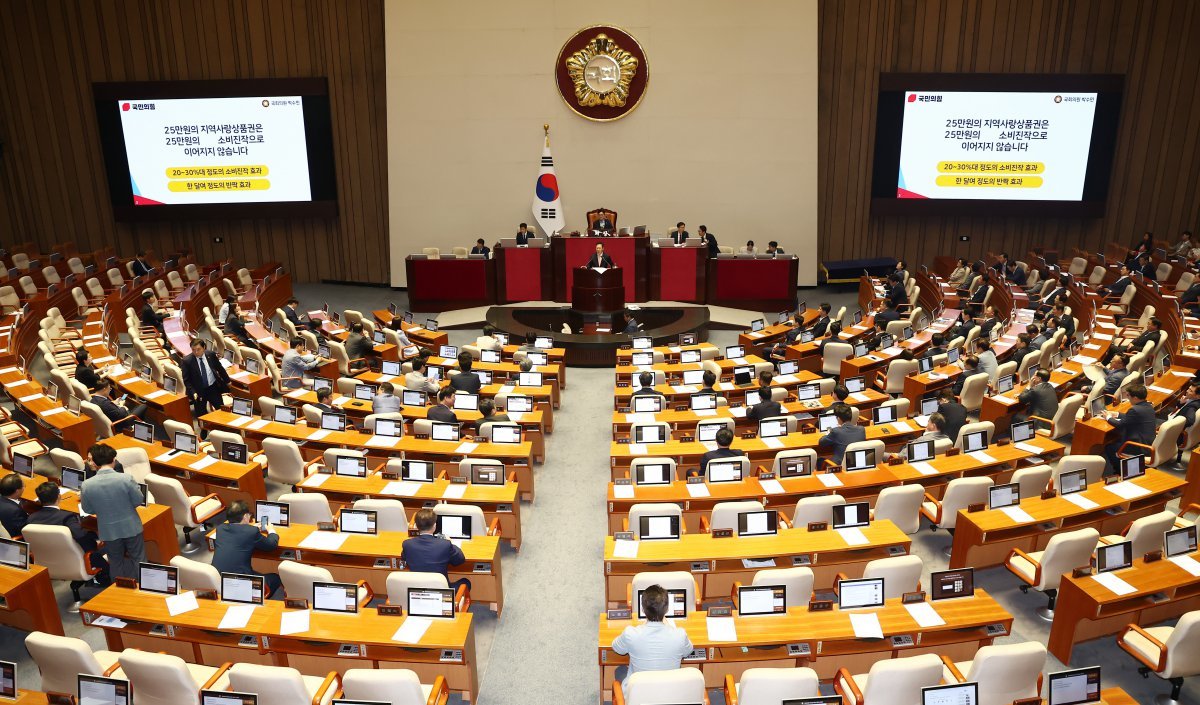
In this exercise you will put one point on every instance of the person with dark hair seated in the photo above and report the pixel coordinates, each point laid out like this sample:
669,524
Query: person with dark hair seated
953,411
12,514
724,439
646,385
432,553
487,414
444,409
1136,425
653,645
466,380
238,538
50,515
846,432
290,312
766,406
85,371
120,416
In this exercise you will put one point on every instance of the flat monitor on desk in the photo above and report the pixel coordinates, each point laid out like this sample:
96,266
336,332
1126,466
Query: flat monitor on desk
144,432
507,433
772,428
1133,467
689,356
921,451
693,377
658,528
275,513
852,515
743,375
951,584
883,414
649,433
1114,556
789,367
358,521
1080,685
703,402
826,421
454,526
364,392
442,431
227,697
734,351
1001,496
1005,383
864,593
1022,431
724,471
489,356
1072,482
706,432
818,700
335,597
753,397
417,471
431,602
800,466
163,579
953,694
855,385
465,401
643,343
333,422
14,554
642,359
519,403
101,690
529,379
72,479
863,459
652,474
808,392
929,406
758,523
350,466
974,441
756,600
389,428
411,397
1180,542
925,364
244,589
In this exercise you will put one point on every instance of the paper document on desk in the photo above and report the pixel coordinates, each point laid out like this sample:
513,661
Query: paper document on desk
739,360
625,549
698,412
639,417
239,421
315,480
758,562
1114,584
236,617
685,388
29,398
737,412
623,491
412,630
1127,490
324,540
202,463
506,390
401,488
296,393
599,270
240,376
516,416
181,603
381,442
698,489
294,622
109,622
1099,336
157,393
853,536
924,614
258,423
772,442
771,486
455,492
1091,346
637,448
1080,501
1160,390
830,480
787,379
894,350
1177,373
1027,447
721,629
981,456
1188,563
1018,515
860,396
466,447
52,412
900,426
866,625
923,468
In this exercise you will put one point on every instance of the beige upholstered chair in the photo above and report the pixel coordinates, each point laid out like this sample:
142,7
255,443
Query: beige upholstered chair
900,574
1004,672
164,679
398,686
797,581
769,686
53,547
900,504
62,658
895,681
1171,653
816,508
189,511
1043,570
307,507
281,685
684,685
197,575
668,580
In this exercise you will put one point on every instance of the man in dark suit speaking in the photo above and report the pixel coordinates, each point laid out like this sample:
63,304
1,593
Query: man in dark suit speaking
600,259
204,378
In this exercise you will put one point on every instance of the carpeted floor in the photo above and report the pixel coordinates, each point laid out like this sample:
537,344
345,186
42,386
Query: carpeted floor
543,648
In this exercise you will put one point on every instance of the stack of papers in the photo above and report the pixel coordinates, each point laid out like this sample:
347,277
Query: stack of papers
866,625
1127,490
1018,515
1114,584
853,536
454,491
721,629
324,540
412,630
401,488
698,489
981,456
860,396
738,412
625,549
466,447
294,622
924,614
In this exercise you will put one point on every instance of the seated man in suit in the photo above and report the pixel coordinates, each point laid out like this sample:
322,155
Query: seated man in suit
444,409
325,401
418,380
631,324
724,439
937,345
487,411
646,386
952,411
1118,287
980,295
12,514
989,321
602,224
204,378
523,235
466,380
835,329
679,235
1059,292
51,515
709,381
236,541
140,265
710,241
986,359
599,260
1065,320
357,343
1022,349
1136,425
935,430
151,316
887,313
774,249
295,364
846,432
1135,346
121,416
432,553
480,248
85,372
766,407
777,353
1001,262
1039,398
1015,274
1147,267
820,325
235,326
385,400
291,311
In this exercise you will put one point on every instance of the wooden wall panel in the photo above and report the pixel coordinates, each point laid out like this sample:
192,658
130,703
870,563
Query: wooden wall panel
1156,173
52,181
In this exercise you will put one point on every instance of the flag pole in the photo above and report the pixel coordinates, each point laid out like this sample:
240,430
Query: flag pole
546,127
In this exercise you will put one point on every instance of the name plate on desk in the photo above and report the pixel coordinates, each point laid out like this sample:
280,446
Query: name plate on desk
295,603
206,594
1050,494
460,480
911,597
623,481
326,526
619,614
818,525
386,475
126,583
976,507
820,605
390,611
725,611
695,480
1152,556
623,536
722,533
1081,572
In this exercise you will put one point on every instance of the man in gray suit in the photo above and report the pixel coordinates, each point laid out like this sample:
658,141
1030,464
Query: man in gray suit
987,359
1040,398
114,499
842,435
935,430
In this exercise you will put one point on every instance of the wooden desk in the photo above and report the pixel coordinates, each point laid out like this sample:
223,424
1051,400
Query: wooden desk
497,501
687,419
1087,610
229,481
75,432
160,403
627,372
372,558
689,453
717,563
987,537
758,340
829,636
194,636
416,333
27,600
670,353
517,457
681,394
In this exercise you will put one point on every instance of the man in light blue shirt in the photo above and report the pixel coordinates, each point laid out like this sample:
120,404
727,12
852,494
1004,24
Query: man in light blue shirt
386,401
654,645
295,364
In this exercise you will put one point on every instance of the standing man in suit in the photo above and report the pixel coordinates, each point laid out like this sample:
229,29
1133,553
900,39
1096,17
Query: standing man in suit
523,235
114,499
603,224
842,435
600,259
12,514
710,240
236,541
444,409
679,235
481,249
291,312
1039,398
120,416
430,553
204,378
954,413
1137,425
466,380
51,515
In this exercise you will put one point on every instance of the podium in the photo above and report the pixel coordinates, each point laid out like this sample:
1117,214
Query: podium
594,292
